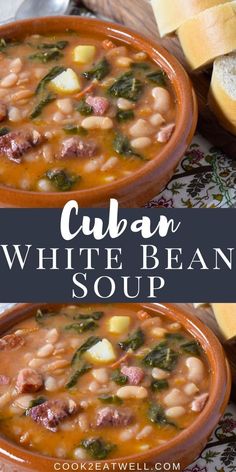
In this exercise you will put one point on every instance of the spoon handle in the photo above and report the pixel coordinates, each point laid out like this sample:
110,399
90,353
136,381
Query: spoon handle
9,20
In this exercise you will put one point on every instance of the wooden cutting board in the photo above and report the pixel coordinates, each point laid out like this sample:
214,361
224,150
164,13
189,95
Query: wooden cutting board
138,15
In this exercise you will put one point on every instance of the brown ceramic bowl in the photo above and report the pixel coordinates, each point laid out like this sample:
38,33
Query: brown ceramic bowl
137,189
184,448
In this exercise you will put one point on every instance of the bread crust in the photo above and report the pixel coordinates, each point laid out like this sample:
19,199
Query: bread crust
171,14
208,35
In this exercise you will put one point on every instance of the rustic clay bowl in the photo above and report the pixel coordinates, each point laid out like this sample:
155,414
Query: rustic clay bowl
142,185
184,448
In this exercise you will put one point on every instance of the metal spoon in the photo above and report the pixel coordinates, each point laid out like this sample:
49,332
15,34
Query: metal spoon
39,8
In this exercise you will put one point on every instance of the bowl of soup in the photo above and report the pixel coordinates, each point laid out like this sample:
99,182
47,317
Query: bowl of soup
89,110
107,384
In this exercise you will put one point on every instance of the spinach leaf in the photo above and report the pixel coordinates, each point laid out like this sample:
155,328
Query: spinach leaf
140,65
110,399
119,378
97,448
134,341
158,385
174,337
4,131
41,316
192,347
122,146
124,115
82,349
59,45
74,129
84,109
77,374
82,326
96,316
127,86
37,401
54,72
162,357
46,55
158,77
99,71
156,414
61,179
49,98
3,45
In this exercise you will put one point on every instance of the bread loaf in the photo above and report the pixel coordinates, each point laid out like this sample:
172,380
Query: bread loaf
222,96
170,14
225,314
208,35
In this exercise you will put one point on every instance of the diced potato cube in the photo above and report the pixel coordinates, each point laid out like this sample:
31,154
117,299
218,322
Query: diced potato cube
102,352
66,82
119,324
84,54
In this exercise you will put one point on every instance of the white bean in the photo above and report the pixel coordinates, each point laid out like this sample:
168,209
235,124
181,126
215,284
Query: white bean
16,65
158,332
44,185
157,119
124,61
159,374
52,336
35,363
97,122
174,326
196,369
83,422
9,80
162,100
80,454
124,104
14,114
21,95
50,384
132,392
191,388
101,375
59,364
93,164
175,411
141,143
141,128
110,163
58,117
23,401
45,351
140,56
65,105
47,153
129,433
176,398
146,431
93,386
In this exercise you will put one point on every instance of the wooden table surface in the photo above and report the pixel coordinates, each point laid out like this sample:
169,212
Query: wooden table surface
139,16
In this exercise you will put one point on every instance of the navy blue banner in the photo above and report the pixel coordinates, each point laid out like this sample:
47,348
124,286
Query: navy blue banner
72,255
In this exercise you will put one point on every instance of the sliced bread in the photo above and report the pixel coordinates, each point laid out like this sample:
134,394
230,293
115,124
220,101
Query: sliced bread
208,35
170,14
225,314
222,96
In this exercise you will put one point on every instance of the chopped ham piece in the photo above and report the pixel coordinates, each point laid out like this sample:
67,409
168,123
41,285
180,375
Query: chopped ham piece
51,413
3,111
135,374
4,380
11,342
29,381
110,416
98,104
165,133
199,402
76,147
17,143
